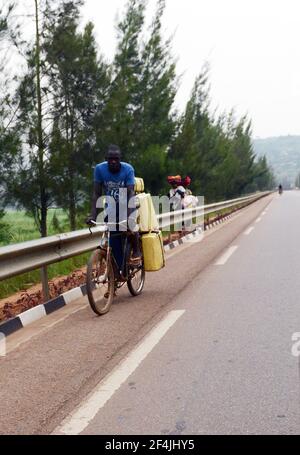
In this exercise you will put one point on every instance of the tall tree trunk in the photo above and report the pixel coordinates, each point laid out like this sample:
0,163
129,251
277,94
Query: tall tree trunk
43,213
41,176
72,200
72,209
43,197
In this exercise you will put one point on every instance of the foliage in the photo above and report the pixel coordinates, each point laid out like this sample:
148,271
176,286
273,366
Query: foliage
79,81
122,110
4,229
58,120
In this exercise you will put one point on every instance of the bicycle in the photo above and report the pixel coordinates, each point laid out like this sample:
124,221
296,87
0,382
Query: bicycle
103,274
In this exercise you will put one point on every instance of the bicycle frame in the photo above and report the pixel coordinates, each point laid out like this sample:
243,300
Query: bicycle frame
122,274
112,277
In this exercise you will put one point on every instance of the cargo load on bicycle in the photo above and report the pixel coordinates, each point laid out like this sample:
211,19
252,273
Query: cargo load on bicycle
152,243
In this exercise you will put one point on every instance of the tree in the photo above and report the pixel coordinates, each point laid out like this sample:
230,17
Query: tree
80,82
4,229
153,167
158,88
9,135
194,150
216,153
155,119
9,28
9,41
29,183
123,106
243,153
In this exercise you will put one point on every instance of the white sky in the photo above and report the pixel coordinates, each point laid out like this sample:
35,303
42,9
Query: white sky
253,47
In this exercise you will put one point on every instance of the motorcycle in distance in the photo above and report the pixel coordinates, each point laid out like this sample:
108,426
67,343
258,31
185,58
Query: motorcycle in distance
280,189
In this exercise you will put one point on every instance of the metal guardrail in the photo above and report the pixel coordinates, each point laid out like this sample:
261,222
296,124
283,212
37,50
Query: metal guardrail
24,257
168,219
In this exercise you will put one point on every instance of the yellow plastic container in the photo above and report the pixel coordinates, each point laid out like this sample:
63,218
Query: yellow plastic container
139,186
146,219
153,252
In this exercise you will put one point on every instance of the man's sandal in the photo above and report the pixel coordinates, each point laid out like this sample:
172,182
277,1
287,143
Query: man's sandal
135,261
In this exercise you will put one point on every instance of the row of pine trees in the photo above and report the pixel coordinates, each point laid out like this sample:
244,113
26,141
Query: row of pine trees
58,117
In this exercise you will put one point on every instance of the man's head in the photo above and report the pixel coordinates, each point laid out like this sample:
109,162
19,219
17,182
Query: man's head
113,157
186,182
174,181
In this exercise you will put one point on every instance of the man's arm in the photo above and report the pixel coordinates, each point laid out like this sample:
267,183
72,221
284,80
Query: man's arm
130,200
130,182
97,193
181,192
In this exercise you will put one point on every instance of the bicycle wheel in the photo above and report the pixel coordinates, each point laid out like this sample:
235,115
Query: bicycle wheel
100,282
136,277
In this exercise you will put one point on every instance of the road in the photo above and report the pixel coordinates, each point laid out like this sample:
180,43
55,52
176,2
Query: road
205,350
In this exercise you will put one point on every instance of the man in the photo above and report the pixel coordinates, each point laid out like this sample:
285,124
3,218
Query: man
186,183
181,197
176,196
177,193
116,180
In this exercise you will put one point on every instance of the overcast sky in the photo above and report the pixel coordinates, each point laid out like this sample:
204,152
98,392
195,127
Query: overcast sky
253,47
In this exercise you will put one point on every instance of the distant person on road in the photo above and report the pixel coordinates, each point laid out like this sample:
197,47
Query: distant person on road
280,189
177,192
176,195
186,183
181,196
189,201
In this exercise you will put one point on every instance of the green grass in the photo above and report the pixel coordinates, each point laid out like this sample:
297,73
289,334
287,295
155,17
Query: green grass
23,282
21,228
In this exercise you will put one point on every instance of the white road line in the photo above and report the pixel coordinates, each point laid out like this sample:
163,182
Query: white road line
248,231
258,220
264,213
224,258
84,414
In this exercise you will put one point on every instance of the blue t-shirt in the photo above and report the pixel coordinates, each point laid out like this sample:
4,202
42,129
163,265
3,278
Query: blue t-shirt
112,183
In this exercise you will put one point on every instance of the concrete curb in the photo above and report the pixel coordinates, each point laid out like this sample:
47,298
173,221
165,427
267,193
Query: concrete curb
38,312
24,319
185,239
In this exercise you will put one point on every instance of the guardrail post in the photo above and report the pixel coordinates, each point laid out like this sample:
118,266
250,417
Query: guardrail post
44,276
206,220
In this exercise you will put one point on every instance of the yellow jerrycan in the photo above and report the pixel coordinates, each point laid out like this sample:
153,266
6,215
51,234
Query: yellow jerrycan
153,251
146,219
139,186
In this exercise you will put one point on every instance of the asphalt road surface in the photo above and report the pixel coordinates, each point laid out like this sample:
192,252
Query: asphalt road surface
206,349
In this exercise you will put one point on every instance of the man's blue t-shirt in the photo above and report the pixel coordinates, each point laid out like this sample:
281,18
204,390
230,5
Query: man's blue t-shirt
112,183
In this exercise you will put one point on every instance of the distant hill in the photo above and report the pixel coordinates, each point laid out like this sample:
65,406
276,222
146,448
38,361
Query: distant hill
283,154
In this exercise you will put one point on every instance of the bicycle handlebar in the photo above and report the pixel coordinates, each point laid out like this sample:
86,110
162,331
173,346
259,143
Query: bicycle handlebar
108,224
